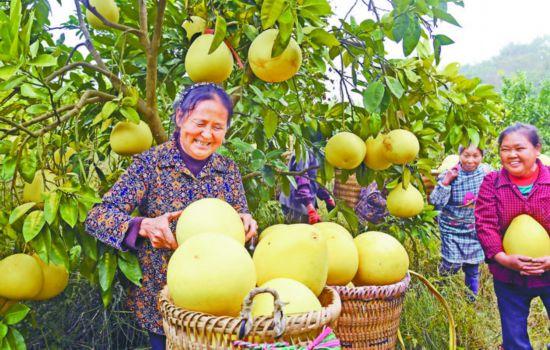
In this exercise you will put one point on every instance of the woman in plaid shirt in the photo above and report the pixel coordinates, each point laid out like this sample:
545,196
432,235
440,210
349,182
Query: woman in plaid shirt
522,186
455,195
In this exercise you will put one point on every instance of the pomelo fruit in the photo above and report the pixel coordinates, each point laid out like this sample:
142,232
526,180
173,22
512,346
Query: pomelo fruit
55,279
405,203
20,277
193,25
211,273
374,156
43,182
450,161
107,8
203,67
526,236
273,69
400,146
345,150
382,259
210,215
545,159
128,138
297,297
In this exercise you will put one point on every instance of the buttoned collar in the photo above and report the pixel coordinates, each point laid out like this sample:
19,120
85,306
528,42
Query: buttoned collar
503,178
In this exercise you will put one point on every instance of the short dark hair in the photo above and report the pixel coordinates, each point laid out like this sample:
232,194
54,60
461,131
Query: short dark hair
529,131
462,148
190,97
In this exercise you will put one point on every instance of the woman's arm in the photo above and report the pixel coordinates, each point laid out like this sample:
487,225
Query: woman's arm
237,199
441,193
109,220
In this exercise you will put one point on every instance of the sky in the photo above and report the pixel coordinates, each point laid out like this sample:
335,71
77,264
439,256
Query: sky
487,26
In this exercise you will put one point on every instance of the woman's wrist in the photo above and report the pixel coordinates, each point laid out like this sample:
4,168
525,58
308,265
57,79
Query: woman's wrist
501,258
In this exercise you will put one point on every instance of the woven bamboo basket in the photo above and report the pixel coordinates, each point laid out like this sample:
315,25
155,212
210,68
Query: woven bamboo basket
370,315
348,191
195,330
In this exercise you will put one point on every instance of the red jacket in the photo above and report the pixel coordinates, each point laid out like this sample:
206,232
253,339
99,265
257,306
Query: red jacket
499,201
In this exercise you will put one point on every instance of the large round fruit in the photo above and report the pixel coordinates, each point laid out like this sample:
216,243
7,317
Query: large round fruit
273,69
32,192
345,150
57,159
297,298
342,254
128,138
193,26
295,253
273,229
400,146
211,273
20,277
55,277
545,159
107,8
450,161
405,203
374,156
382,259
210,215
204,67
526,236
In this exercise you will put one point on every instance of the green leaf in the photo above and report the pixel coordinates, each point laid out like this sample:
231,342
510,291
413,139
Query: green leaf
18,212
44,60
7,72
108,109
42,244
372,96
33,224
270,12
8,168
12,83
443,39
15,21
400,26
16,314
59,250
51,205
406,177
395,86
107,297
286,24
130,113
324,38
447,17
250,31
28,164
219,33
69,210
16,340
473,134
106,269
37,108
271,120
129,265
411,37
31,91
3,331
89,245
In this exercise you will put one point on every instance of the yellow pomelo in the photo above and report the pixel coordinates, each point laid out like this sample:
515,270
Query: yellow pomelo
345,150
210,215
43,182
449,162
193,26
545,159
405,203
298,254
211,273
204,67
55,281
69,152
273,229
297,297
107,8
400,146
20,277
382,259
526,236
342,254
128,138
374,156
273,69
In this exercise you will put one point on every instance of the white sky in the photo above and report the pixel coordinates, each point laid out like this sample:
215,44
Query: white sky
487,25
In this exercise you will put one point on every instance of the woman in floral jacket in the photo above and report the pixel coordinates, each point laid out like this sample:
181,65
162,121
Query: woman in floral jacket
160,183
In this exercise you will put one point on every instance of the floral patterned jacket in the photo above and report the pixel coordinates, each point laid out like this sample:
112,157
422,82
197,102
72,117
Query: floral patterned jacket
158,182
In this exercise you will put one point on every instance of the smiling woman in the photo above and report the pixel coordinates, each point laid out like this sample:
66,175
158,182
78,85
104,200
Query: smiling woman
163,181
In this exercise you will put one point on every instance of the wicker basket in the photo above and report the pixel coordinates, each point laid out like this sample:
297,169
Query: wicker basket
195,330
370,315
348,191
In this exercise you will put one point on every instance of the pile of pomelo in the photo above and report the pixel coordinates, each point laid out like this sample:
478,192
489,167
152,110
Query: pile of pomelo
212,272
346,150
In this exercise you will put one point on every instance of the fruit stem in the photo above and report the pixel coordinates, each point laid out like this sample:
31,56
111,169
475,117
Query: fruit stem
439,297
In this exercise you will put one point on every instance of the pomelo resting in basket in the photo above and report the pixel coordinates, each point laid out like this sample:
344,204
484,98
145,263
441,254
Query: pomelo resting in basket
211,273
297,298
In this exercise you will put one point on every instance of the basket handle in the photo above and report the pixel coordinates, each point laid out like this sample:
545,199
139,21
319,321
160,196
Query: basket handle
246,312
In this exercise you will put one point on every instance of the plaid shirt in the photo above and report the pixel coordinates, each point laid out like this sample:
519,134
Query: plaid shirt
459,242
498,203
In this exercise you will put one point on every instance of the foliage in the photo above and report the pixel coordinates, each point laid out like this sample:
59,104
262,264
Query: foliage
54,95
524,103
530,58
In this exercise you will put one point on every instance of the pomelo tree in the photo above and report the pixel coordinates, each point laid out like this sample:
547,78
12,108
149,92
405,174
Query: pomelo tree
64,97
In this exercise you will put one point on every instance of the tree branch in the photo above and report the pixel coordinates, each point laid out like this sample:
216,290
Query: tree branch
280,172
71,66
143,24
17,126
88,40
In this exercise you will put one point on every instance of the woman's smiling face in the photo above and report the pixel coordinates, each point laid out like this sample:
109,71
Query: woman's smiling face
518,155
203,130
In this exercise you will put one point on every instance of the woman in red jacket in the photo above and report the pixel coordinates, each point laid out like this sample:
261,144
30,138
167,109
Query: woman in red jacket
522,186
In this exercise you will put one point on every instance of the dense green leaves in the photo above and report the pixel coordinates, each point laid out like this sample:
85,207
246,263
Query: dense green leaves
21,210
33,224
270,12
16,314
372,96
